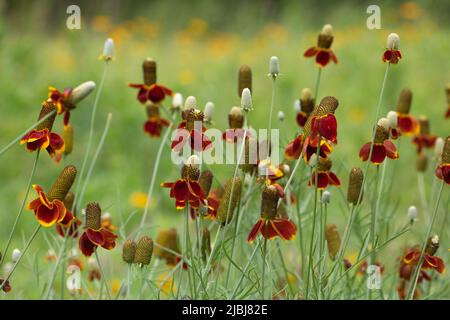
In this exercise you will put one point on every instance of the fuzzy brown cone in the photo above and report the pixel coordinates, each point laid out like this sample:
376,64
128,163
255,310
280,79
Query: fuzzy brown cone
404,101
333,240
129,251
144,251
354,185
62,184
149,70
229,201
93,216
269,202
47,107
244,79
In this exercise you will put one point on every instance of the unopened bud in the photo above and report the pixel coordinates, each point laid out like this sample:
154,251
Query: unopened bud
246,100
412,213
281,115
326,196
208,112
274,67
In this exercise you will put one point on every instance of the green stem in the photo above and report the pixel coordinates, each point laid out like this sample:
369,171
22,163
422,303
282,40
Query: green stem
316,89
264,262
103,276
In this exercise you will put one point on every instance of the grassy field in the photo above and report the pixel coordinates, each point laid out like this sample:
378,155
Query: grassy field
200,56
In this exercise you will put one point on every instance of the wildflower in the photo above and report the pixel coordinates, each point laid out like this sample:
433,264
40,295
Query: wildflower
244,79
406,123
246,100
333,240
355,182
236,123
108,50
129,251
382,148
306,104
443,170
268,173
95,235
49,208
187,189
208,112
191,130
214,198
144,251
167,247
15,256
322,51
269,225
392,118
274,67
150,90
67,100
392,54
424,139
229,201
155,123
324,176
42,136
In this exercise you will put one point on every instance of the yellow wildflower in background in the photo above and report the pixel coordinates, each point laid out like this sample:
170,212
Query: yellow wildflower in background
138,200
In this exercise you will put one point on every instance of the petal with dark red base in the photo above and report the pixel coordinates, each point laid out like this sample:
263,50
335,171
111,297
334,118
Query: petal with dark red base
86,246
255,230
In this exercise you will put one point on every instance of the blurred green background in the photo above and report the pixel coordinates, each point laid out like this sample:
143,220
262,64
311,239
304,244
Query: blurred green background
199,46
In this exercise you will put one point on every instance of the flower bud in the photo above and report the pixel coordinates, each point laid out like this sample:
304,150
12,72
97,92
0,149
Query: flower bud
274,67
144,251
244,79
129,251
93,216
412,213
392,41
236,118
306,101
385,123
404,101
190,103
108,50
333,240
393,119
246,100
354,185
229,200
81,92
327,30
422,162
67,136
326,196
208,112
47,107
16,254
63,183
297,106
432,245
149,71
280,115
177,101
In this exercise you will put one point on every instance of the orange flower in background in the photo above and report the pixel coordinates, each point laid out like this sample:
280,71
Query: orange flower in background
392,54
270,225
382,147
325,177
322,51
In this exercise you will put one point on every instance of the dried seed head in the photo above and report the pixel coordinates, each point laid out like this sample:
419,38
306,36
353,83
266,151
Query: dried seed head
93,216
381,134
244,79
108,50
326,196
354,185
149,71
69,199
393,119
205,181
327,105
236,118
438,148
206,244
152,110
229,201
333,240
446,151
246,100
404,101
190,172
324,164
167,239
269,202
144,251
67,136
424,125
325,38
129,251
81,92
412,213
281,115
274,67
385,123
62,184
193,115
47,107
392,41
422,162
209,111
432,245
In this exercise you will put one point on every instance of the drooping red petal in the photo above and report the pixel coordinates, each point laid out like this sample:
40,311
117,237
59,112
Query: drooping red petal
181,190
364,152
86,246
333,179
327,126
407,124
294,148
46,216
95,236
110,239
142,95
323,58
255,230
378,153
155,93
311,52
391,150
284,228
301,118
268,231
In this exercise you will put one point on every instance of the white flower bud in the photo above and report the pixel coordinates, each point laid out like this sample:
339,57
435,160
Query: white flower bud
190,103
392,116
327,30
108,49
285,168
177,100
297,106
281,115
393,41
385,123
412,213
435,239
438,147
246,100
306,94
326,196
235,111
193,161
15,256
81,92
274,66
209,111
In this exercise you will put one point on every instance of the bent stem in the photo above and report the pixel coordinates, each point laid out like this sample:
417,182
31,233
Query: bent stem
27,192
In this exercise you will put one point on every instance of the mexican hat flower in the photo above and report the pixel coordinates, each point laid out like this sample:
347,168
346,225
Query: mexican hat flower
191,131
424,139
443,170
325,177
381,147
49,208
144,251
322,51
42,136
406,123
150,90
392,54
155,123
72,229
305,107
430,260
94,234
68,99
212,196
235,132
187,189
270,225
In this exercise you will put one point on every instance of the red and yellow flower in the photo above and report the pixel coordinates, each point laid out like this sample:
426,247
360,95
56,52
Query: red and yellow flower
443,170
381,147
424,139
392,54
49,211
155,123
322,51
191,131
154,93
325,177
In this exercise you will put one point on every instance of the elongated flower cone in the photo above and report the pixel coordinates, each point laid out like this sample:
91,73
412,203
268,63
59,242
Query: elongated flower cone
144,251
404,101
250,154
269,203
355,183
327,105
129,251
149,71
229,201
63,183
47,107
93,216
205,181
244,79
325,38
67,136
69,199
206,244
236,118
333,240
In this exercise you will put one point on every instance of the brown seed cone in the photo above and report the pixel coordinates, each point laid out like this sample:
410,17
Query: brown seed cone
129,251
269,202
235,118
193,116
446,151
69,200
93,216
144,251
404,101
206,244
47,107
189,172
424,125
432,245
381,134
422,162
167,239
324,41
229,201
205,180
327,105
354,185
149,70
307,105
281,212
248,163
244,79
152,110
324,164
62,184
333,240
67,136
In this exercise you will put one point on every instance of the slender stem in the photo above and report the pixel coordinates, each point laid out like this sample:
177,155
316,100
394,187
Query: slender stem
103,275
422,193
264,261
129,280
245,270
413,286
373,222
316,89
269,127
24,201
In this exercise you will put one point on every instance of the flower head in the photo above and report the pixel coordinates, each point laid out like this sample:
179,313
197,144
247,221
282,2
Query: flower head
68,99
274,67
322,51
191,131
167,246
129,251
406,123
144,251
108,50
333,240
392,54
155,123
443,170
325,177
246,100
355,182
381,147
424,139
306,106
229,201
